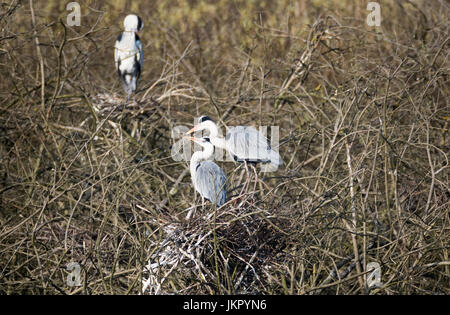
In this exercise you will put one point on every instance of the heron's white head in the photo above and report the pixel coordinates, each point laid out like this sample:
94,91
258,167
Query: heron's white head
133,23
205,143
204,122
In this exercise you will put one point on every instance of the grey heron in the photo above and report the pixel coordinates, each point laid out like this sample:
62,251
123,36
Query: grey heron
244,143
208,178
128,54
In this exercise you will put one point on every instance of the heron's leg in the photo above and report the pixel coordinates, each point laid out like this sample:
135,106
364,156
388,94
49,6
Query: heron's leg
241,174
256,176
248,178
248,175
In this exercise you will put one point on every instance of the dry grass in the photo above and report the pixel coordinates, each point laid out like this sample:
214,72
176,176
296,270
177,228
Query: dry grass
363,115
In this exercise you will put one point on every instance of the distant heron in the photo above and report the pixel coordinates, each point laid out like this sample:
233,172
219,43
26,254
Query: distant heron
208,178
245,144
128,55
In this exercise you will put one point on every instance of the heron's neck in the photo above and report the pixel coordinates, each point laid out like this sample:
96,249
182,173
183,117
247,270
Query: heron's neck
129,36
219,142
198,156
214,136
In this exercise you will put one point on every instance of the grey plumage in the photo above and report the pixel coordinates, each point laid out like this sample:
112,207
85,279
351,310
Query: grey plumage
208,178
210,182
245,143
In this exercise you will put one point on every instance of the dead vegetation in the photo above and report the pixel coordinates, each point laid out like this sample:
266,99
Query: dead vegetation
363,116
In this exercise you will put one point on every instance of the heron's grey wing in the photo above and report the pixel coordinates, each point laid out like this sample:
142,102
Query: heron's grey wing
236,142
211,182
248,144
261,147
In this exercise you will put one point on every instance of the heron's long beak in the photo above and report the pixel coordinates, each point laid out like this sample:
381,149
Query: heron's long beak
191,138
192,130
199,141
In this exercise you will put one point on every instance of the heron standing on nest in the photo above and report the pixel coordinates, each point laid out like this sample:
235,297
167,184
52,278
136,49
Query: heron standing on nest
244,143
208,178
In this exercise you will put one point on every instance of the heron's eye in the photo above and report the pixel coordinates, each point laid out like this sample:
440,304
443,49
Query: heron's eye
206,139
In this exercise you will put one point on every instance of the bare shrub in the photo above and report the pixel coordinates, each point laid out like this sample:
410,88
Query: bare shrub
363,114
